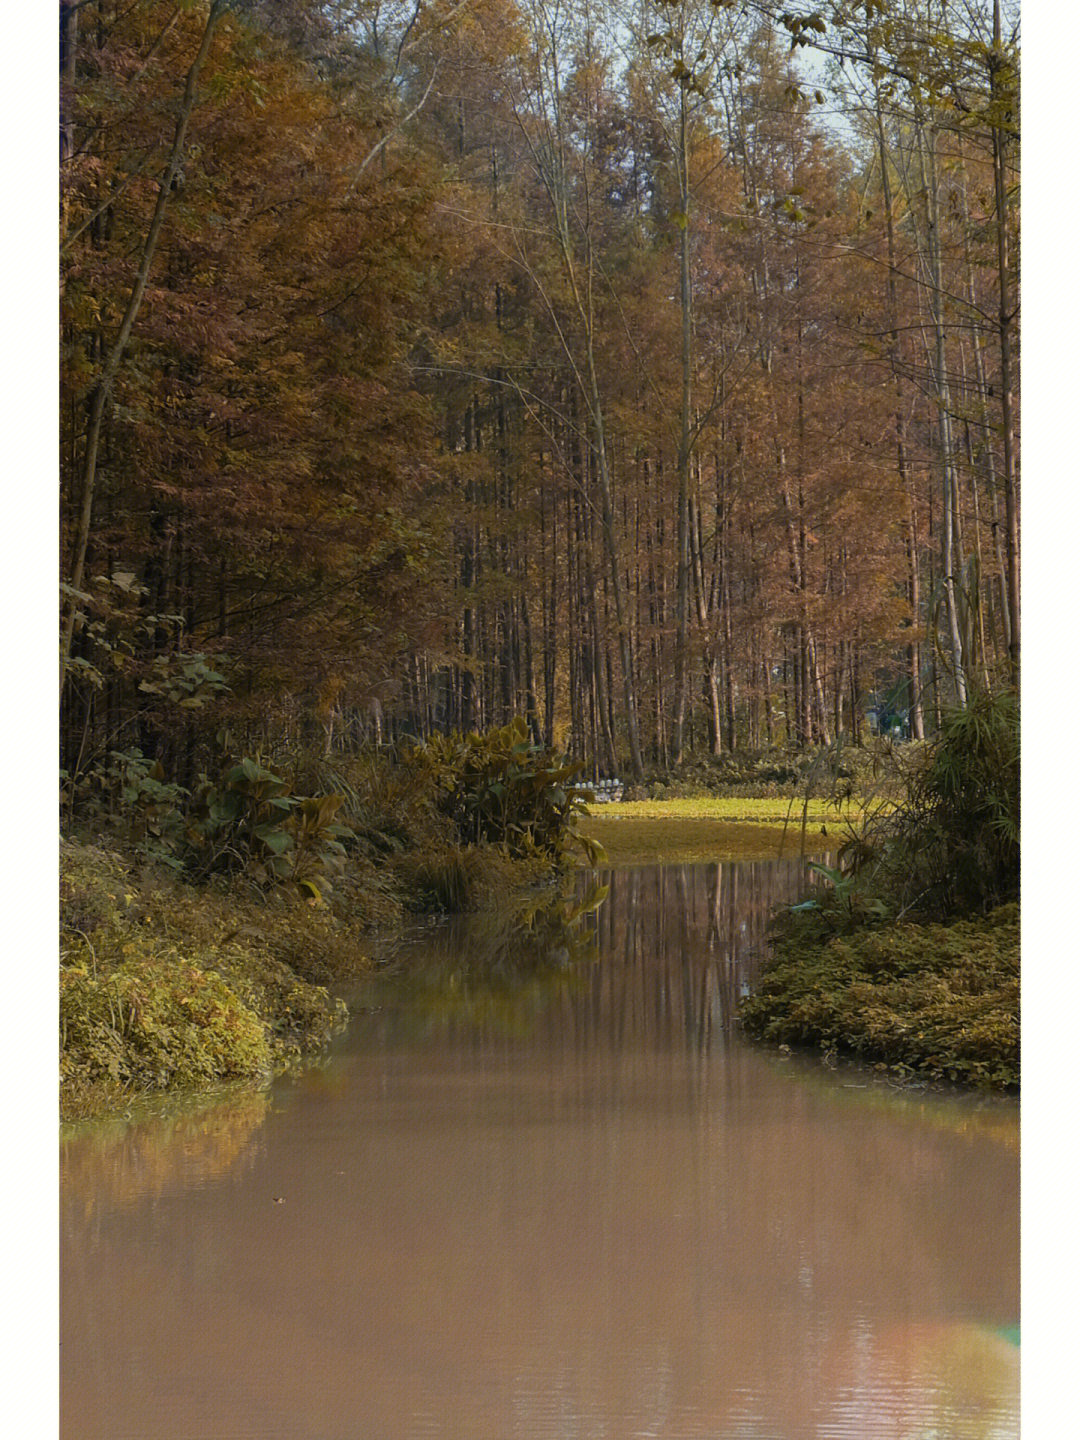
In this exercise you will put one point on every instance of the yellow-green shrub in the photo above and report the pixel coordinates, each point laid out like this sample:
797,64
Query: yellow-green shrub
500,788
166,987
149,1024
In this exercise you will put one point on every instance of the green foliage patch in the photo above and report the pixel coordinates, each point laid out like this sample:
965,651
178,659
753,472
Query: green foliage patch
941,1001
164,987
500,788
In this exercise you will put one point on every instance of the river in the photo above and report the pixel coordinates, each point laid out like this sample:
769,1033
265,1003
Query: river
541,1190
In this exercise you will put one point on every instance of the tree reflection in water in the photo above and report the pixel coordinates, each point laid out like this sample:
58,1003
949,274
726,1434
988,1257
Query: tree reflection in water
681,944
544,1190
499,969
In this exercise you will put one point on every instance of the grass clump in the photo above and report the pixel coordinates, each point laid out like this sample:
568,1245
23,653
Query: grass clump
463,880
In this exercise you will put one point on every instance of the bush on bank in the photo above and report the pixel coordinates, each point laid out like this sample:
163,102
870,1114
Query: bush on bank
166,987
909,954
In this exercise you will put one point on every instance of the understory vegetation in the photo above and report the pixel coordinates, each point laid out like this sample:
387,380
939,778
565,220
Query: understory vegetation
165,986
938,1001
200,930
907,954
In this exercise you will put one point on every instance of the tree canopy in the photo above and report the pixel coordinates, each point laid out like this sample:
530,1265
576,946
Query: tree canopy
424,365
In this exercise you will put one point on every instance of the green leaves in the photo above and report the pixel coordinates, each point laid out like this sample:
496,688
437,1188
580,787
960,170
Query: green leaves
249,822
501,788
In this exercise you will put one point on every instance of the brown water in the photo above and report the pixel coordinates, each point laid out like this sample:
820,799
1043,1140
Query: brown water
541,1193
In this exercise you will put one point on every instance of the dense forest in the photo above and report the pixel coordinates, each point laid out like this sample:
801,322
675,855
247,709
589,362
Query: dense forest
647,369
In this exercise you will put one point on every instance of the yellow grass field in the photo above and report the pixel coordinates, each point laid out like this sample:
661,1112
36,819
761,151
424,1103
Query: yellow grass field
651,831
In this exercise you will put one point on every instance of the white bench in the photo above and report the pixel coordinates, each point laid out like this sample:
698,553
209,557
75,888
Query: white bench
607,791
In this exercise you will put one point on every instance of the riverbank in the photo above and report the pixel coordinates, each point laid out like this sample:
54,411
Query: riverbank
166,987
932,1001
908,955
938,1002
169,986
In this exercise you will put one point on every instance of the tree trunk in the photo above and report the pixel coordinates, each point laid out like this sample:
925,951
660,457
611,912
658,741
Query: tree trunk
911,543
682,571
939,369
1012,517
119,346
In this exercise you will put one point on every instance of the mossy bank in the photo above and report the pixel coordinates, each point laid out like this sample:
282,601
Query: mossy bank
166,987
909,955
199,952
938,1002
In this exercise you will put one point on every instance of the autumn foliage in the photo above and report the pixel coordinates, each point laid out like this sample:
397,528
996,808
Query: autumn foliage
428,366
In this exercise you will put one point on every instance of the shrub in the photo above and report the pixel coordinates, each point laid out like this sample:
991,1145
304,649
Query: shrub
952,845
949,846
246,821
249,821
163,986
156,1024
500,788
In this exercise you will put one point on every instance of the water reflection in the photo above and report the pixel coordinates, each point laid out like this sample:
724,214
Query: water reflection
681,945
179,1144
494,971
607,1219
684,944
